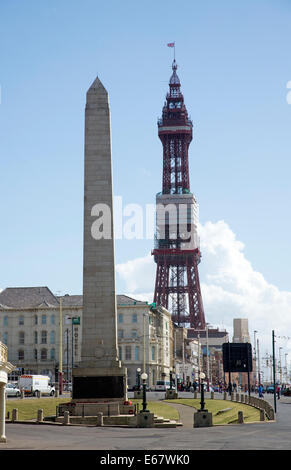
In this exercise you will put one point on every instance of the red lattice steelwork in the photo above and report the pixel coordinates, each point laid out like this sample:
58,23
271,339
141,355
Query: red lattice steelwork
177,286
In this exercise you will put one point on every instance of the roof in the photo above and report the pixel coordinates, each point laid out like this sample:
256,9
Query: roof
72,300
125,300
27,297
35,297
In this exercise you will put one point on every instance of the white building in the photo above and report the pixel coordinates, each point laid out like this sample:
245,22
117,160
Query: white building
29,326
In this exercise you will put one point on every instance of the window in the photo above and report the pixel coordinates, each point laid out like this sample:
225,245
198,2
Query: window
120,333
5,321
127,353
43,319
153,353
5,338
167,325
134,333
53,319
120,353
20,355
134,318
35,337
136,353
52,354
52,337
35,354
43,355
35,319
120,318
21,320
21,337
43,337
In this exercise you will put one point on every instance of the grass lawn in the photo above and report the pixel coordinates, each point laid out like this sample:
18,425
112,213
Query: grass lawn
159,409
227,417
27,408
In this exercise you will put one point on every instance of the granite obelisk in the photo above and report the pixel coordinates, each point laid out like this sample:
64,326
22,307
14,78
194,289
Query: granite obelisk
100,375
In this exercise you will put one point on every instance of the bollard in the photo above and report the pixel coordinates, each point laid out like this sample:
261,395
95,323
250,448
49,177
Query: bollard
57,394
22,394
232,396
262,415
39,415
240,417
66,417
212,395
14,415
237,397
225,395
195,395
99,421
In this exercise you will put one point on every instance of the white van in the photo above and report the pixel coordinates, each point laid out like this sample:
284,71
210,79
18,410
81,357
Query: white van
162,385
32,384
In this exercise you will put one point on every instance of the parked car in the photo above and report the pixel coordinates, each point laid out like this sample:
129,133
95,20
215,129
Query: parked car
12,391
270,389
162,385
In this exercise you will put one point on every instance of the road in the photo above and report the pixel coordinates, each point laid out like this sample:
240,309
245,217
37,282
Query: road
253,436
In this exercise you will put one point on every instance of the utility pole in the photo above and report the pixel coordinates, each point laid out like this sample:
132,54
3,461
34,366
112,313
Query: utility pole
255,356
274,370
207,357
280,367
144,348
183,358
61,347
198,337
259,366
175,359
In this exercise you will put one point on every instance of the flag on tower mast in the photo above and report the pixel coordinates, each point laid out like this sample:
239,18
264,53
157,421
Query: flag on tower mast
172,44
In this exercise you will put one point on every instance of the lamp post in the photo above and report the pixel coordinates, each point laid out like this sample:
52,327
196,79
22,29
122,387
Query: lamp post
144,376
202,402
171,380
280,361
61,348
255,356
207,357
138,377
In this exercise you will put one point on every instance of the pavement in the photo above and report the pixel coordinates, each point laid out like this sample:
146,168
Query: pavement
252,436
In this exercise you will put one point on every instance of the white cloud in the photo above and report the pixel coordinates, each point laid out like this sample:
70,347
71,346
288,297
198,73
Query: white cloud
231,287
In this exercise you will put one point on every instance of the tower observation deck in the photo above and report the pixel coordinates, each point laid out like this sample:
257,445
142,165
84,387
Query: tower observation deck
176,252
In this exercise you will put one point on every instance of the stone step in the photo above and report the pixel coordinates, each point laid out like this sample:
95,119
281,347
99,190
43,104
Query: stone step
168,424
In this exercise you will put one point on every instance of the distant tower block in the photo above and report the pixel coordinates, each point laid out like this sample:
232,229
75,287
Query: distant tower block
176,251
100,375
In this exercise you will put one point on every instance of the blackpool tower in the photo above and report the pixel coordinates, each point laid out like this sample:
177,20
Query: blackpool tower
176,252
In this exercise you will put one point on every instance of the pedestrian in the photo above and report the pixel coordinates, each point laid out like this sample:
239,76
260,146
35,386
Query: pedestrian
229,388
278,390
260,390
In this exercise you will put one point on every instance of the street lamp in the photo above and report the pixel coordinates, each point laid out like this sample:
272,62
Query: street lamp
171,380
144,376
138,377
202,402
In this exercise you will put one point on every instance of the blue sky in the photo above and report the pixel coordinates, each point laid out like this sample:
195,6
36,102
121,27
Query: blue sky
234,64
